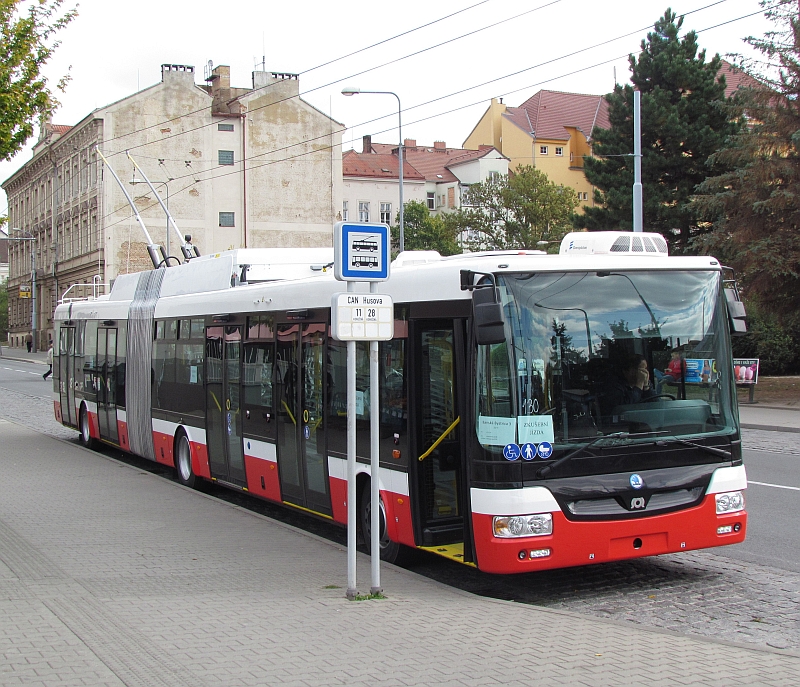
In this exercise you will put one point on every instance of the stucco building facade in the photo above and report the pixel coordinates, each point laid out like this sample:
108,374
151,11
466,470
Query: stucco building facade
237,167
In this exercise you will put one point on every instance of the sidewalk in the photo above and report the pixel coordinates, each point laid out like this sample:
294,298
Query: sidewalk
22,355
113,576
773,418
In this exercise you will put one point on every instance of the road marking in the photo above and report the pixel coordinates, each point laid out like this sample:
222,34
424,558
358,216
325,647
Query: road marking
777,486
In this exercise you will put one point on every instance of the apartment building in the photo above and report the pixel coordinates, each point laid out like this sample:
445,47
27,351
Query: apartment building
237,167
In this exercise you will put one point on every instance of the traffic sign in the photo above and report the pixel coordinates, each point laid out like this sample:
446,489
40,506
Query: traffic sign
362,317
361,251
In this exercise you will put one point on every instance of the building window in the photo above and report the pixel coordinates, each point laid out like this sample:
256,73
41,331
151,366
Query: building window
386,213
225,157
559,151
345,211
363,211
431,200
572,157
494,177
226,219
451,197
585,196
542,150
224,127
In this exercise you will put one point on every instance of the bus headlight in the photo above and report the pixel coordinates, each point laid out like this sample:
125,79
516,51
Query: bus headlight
508,527
729,502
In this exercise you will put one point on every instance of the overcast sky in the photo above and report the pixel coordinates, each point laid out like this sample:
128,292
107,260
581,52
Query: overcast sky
550,44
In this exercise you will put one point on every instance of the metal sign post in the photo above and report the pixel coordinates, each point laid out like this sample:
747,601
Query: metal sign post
361,253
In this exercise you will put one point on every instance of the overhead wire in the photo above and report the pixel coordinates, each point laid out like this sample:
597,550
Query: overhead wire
344,78
438,114
211,170
320,66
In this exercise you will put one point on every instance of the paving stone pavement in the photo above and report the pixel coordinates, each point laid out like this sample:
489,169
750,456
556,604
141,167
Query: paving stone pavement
110,575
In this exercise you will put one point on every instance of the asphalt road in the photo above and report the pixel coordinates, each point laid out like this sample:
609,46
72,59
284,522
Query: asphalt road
748,593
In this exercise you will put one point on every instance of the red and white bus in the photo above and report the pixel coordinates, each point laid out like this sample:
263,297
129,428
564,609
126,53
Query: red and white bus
554,440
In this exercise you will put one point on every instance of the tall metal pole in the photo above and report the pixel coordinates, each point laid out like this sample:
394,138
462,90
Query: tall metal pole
400,161
34,314
637,161
351,465
375,462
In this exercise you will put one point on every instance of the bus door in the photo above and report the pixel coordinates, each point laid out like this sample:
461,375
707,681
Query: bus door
107,391
223,406
300,376
438,455
66,382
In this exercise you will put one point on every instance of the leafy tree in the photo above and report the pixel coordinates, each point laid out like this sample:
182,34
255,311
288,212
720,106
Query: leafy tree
422,231
27,30
755,207
684,121
515,211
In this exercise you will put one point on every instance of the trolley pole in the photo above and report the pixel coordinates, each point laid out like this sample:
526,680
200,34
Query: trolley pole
352,591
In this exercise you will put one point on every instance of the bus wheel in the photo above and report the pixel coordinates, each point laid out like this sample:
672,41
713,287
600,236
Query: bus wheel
85,436
391,551
183,462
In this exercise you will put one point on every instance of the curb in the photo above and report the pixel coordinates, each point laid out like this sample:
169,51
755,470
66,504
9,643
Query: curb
770,428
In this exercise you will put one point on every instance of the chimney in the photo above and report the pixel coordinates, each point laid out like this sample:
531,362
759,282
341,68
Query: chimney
409,142
439,145
367,144
177,73
220,79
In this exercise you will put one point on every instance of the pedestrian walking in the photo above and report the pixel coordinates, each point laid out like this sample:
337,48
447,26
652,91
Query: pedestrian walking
49,362
29,342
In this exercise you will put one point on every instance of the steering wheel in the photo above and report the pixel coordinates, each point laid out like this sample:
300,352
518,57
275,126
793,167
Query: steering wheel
653,398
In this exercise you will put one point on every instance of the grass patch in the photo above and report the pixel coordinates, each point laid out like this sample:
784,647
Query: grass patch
367,597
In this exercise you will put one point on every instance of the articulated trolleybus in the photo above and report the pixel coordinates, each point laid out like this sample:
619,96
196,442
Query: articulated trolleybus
527,420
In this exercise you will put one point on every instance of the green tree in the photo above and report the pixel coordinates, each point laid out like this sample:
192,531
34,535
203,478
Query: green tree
422,231
755,207
27,30
684,121
515,211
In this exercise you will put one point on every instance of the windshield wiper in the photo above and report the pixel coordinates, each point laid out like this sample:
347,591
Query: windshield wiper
542,472
708,449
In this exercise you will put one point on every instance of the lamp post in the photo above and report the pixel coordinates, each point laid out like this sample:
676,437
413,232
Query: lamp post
641,298
34,314
586,320
357,91
135,181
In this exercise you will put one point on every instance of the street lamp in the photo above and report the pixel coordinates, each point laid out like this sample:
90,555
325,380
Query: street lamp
586,319
641,298
357,91
135,181
30,237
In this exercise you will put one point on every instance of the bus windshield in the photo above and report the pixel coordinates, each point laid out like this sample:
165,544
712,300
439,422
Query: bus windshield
644,354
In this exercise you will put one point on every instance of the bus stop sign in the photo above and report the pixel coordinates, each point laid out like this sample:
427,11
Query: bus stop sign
361,251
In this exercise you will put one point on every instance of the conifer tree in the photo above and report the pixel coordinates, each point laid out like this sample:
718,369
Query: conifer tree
684,121
755,207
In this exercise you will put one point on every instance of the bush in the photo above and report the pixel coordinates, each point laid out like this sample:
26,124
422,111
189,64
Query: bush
776,343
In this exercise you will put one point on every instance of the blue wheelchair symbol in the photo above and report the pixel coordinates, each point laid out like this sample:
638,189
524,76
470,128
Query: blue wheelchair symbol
511,451
545,450
528,451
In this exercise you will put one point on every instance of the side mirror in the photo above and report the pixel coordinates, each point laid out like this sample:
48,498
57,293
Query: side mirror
736,313
487,314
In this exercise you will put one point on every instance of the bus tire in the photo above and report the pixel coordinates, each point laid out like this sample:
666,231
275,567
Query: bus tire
183,461
391,551
85,430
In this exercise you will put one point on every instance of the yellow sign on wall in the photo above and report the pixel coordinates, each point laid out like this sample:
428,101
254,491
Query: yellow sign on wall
24,290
